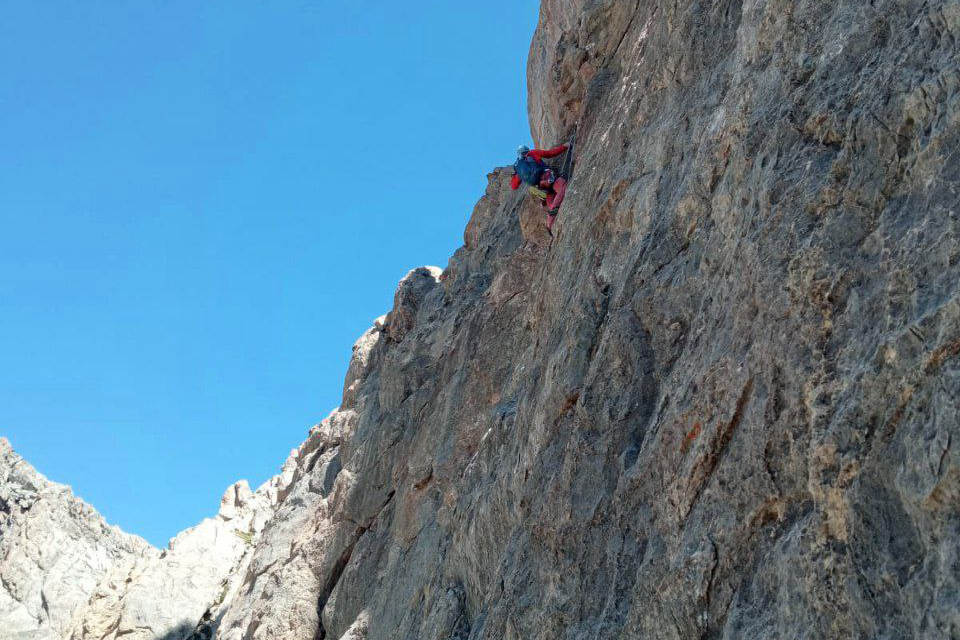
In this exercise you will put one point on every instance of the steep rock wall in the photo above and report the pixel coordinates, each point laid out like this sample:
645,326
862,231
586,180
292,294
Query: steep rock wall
722,402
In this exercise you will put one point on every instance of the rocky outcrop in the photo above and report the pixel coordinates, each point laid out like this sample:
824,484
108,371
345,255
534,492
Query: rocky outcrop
182,590
65,573
723,401
54,551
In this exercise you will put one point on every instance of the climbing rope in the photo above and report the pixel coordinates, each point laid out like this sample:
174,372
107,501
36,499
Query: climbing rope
568,162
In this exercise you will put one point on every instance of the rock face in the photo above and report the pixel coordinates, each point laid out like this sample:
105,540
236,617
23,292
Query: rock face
722,402
54,550
65,574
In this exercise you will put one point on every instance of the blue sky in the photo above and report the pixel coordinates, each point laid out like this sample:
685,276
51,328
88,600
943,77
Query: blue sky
203,205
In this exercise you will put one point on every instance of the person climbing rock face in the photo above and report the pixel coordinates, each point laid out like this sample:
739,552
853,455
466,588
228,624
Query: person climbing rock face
531,169
544,183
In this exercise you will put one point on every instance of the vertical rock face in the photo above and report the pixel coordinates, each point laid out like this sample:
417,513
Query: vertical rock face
722,402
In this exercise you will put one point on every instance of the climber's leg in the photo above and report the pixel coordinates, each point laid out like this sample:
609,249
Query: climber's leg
556,195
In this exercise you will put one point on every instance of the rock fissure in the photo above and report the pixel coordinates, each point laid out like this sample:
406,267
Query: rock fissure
335,575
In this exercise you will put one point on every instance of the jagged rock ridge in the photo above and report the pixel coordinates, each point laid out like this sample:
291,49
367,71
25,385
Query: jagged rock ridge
721,403
64,573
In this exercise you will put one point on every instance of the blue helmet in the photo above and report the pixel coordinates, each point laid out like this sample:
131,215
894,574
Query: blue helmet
523,150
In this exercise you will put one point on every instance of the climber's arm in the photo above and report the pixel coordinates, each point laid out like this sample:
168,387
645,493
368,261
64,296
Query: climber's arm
541,154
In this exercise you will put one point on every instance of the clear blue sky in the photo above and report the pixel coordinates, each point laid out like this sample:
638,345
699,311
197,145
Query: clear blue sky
203,205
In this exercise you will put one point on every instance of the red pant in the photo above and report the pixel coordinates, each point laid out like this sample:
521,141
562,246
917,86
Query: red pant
556,194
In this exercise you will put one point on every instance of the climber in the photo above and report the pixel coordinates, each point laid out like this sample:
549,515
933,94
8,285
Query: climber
544,183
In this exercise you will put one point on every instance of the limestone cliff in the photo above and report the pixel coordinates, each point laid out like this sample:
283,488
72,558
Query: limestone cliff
722,402
64,573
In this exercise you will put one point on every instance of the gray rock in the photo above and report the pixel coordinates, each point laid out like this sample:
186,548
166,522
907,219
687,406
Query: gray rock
54,551
721,402
64,573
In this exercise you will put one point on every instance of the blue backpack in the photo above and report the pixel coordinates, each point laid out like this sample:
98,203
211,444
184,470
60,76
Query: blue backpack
530,170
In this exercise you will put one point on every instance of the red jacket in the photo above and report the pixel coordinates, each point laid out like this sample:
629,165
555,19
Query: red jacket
539,154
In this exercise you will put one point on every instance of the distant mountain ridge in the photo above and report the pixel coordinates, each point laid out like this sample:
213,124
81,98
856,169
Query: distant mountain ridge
64,573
